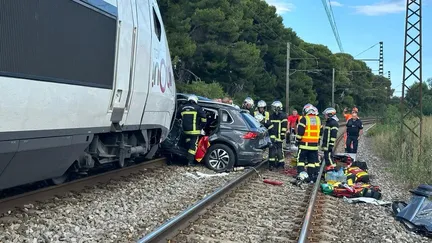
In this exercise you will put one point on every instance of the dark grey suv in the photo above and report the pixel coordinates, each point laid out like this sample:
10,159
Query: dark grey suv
236,138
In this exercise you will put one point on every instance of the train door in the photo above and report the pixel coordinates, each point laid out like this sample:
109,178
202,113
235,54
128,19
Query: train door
143,63
126,45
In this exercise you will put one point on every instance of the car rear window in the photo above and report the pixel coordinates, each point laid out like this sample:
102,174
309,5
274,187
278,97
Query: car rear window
251,120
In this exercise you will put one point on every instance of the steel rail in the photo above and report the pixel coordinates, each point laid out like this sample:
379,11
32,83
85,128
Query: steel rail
173,226
75,185
305,231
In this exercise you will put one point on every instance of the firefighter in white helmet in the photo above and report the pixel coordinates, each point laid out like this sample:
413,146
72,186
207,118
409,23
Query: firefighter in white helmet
248,105
277,130
329,134
308,134
261,109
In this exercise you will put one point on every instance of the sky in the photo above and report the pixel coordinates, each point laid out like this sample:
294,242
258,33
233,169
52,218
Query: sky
361,24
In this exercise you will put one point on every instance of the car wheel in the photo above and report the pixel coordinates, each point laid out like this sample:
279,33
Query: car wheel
220,158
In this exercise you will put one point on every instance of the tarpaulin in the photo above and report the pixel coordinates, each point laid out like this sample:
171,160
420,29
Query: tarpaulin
418,212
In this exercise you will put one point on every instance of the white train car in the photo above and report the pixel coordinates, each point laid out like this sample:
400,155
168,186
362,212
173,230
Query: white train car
83,83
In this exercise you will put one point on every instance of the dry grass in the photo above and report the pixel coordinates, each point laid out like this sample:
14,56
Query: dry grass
405,162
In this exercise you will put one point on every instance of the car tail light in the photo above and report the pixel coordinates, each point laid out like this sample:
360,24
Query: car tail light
250,135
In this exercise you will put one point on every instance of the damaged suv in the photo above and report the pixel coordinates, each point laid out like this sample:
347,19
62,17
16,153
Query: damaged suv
235,137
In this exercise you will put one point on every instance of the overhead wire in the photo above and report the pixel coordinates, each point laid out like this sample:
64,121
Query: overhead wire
366,50
332,21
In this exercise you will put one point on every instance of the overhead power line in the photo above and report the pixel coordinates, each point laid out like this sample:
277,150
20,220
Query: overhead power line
330,16
366,50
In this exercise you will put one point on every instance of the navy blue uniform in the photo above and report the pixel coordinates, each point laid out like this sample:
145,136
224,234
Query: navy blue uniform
353,132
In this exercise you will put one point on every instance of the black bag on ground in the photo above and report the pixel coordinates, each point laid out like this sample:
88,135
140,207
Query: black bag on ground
362,165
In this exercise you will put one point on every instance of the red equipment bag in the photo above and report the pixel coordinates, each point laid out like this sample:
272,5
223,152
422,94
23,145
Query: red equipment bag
203,145
276,183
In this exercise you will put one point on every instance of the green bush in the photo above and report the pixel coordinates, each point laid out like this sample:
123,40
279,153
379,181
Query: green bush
210,90
402,150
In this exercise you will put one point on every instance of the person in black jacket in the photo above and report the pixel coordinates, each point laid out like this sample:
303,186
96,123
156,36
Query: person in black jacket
329,134
193,121
354,130
277,129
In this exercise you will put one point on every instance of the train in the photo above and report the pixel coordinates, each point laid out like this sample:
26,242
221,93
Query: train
83,83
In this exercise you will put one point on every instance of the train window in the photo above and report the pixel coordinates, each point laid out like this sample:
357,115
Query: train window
157,25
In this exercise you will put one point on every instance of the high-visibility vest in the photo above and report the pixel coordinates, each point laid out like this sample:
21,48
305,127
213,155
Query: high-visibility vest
312,130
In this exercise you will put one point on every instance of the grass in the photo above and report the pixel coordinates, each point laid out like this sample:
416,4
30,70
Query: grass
403,150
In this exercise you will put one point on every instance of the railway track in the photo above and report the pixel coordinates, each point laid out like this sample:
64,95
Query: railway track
20,200
248,210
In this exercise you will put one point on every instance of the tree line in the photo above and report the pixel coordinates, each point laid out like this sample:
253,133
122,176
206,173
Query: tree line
239,48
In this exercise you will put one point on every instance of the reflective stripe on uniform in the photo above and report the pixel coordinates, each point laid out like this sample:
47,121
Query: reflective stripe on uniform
194,130
308,147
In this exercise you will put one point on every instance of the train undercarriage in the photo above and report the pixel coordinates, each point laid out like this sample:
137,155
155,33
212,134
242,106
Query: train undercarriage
120,148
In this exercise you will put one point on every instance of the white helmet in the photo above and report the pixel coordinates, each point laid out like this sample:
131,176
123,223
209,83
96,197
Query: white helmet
330,112
315,111
261,104
277,105
249,101
259,117
302,176
308,109
193,98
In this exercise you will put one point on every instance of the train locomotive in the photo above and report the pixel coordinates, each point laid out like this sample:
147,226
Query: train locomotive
83,83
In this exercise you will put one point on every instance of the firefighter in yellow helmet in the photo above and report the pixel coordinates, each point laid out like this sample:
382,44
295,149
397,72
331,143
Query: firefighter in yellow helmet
277,130
329,134
261,109
308,133
193,121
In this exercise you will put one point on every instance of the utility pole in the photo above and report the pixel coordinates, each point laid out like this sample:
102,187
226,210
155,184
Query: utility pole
287,88
381,59
333,88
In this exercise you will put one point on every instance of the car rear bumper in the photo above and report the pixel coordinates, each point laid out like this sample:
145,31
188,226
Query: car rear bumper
250,158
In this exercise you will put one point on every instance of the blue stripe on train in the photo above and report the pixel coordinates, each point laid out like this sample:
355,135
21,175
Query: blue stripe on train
104,6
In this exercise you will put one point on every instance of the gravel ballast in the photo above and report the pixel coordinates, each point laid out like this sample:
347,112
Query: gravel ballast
255,212
121,211
366,222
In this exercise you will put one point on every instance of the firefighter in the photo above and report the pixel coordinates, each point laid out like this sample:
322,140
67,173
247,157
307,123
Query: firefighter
329,134
261,110
277,130
193,121
308,133
248,104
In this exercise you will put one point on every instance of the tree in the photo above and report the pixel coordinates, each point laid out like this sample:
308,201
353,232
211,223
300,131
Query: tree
241,45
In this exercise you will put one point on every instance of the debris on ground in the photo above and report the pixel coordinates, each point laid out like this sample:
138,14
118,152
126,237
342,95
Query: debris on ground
200,175
417,214
366,200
